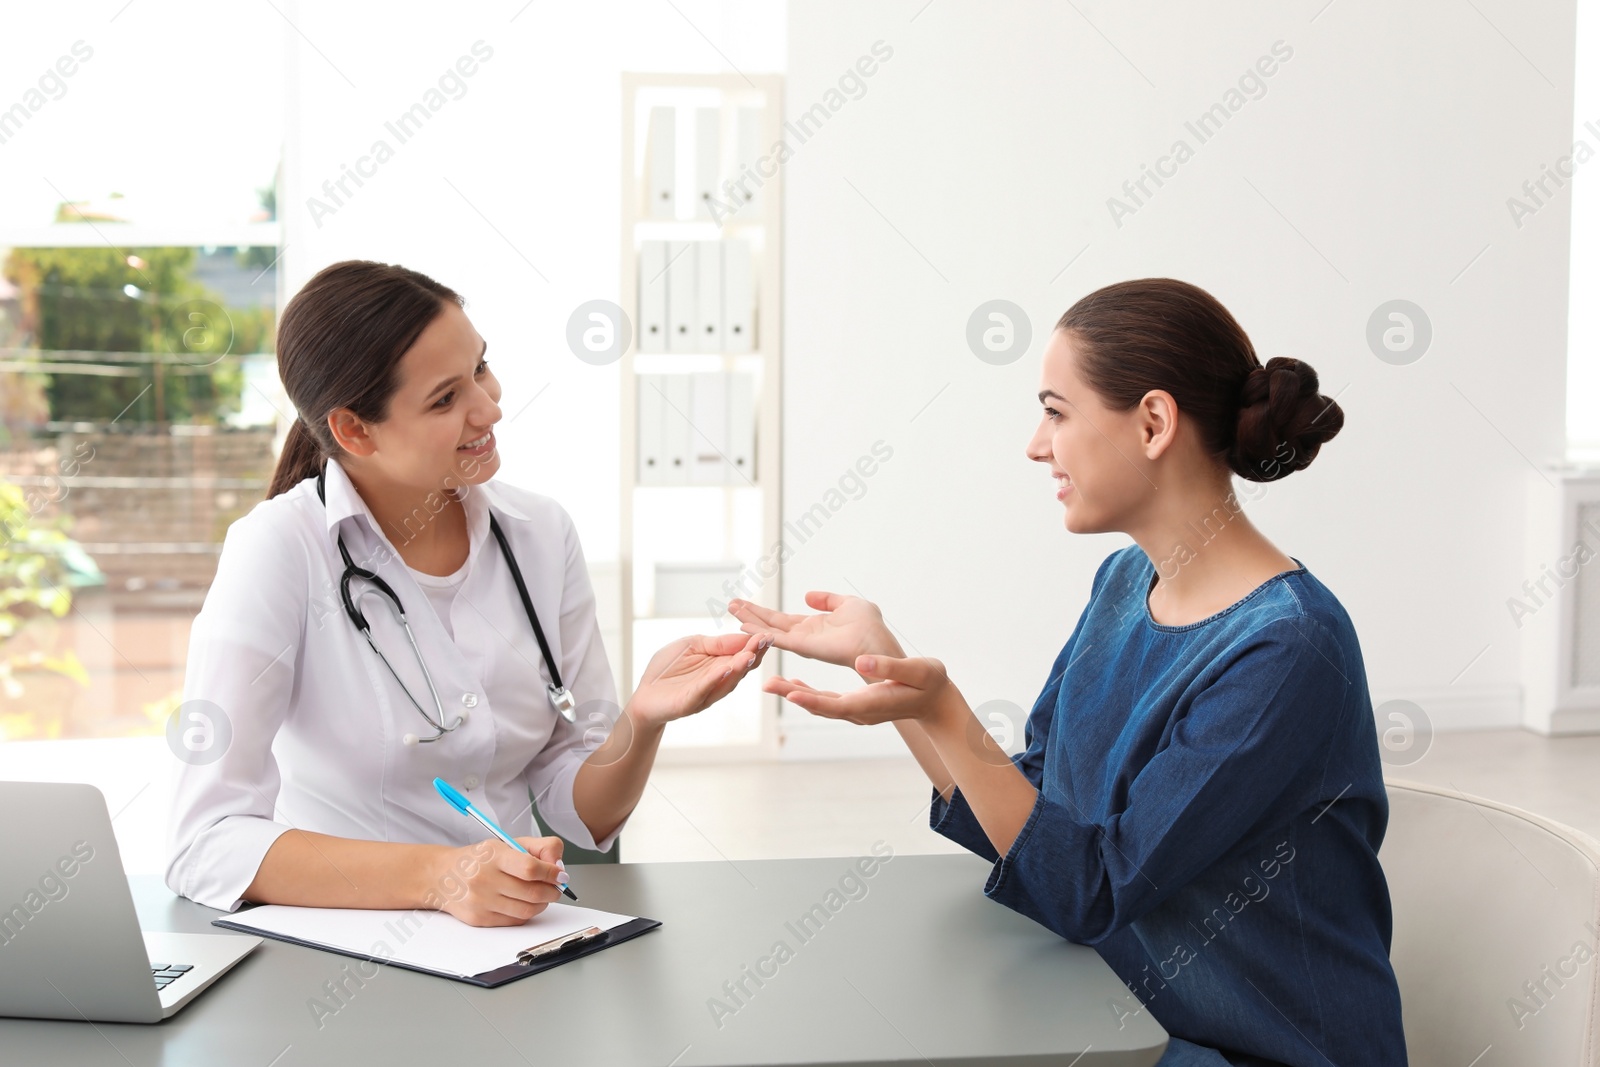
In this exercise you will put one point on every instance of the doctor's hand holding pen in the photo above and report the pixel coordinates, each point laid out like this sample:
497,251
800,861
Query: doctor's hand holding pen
489,883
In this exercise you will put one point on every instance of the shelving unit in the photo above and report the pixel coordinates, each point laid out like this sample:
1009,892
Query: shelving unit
736,524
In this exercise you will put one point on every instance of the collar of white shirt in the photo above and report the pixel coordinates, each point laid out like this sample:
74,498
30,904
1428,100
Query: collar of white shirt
344,502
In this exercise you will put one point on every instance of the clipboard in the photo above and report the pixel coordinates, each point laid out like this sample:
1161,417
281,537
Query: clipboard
541,954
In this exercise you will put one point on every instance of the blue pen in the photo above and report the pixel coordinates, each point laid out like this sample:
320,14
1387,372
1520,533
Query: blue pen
466,807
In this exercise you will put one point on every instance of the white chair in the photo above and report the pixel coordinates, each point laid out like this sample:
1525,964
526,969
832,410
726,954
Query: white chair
1496,932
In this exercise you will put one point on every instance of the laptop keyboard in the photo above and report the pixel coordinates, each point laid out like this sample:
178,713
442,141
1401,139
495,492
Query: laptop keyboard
167,973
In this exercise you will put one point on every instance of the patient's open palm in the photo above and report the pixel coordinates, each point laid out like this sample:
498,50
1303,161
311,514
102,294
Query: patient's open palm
844,628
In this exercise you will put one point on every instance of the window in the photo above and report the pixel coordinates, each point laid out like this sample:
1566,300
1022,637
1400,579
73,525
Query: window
135,429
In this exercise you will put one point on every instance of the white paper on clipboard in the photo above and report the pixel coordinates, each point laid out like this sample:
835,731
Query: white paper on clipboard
431,940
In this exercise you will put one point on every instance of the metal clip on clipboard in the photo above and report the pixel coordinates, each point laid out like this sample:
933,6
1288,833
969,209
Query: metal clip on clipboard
557,945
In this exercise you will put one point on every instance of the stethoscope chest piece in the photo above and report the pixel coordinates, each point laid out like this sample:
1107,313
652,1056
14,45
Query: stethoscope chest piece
562,700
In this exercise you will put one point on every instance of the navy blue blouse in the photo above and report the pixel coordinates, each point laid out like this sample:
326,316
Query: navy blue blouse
1210,807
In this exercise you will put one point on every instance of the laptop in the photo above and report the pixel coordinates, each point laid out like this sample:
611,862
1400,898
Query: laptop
70,943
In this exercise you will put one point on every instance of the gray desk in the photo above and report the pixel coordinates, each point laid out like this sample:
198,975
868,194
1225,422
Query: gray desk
921,969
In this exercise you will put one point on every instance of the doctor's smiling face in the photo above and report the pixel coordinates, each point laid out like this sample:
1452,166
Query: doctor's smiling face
438,429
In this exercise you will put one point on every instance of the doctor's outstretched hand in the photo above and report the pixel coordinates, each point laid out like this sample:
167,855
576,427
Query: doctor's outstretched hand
692,673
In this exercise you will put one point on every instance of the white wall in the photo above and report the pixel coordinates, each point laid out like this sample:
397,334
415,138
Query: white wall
978,163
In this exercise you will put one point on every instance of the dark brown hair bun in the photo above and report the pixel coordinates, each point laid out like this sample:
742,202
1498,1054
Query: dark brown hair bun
1283,421
1159,333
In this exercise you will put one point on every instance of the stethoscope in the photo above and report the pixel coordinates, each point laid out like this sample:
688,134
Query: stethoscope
560,697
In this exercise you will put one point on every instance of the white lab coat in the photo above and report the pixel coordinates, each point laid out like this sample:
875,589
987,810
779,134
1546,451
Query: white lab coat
316,720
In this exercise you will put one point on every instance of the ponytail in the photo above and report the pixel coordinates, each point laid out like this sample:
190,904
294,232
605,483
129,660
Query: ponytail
300,459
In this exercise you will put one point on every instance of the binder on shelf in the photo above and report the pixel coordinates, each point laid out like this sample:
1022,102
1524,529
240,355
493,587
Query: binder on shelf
677,435
439,944
708,295
652,431
653,296
681,298
707,158
661,165
741,449
738,298
709,414
748,140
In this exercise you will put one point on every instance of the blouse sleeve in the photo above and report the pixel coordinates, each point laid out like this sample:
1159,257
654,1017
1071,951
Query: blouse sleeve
587,673
238,684
1272,707
954,818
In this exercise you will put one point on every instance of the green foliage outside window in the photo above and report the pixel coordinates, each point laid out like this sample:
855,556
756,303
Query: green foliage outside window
34,581
130,301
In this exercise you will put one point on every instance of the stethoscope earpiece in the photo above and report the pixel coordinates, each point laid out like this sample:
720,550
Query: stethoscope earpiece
410,739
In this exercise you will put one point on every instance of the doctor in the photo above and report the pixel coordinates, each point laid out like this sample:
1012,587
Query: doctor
314,781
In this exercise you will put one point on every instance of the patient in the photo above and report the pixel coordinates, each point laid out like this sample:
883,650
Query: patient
1200,796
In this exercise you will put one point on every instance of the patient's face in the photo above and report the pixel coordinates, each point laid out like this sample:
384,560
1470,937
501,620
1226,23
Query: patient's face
1093,453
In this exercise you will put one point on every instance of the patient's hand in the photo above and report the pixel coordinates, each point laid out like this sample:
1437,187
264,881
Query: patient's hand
911,689
846,627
